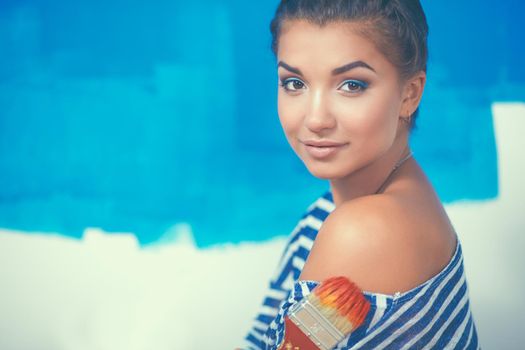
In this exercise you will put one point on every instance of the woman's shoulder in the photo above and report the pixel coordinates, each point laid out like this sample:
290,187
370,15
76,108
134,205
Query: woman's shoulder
384,243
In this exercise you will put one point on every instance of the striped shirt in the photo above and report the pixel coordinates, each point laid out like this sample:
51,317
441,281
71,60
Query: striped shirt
434,315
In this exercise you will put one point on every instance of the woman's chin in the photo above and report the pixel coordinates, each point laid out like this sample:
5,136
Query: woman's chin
324,171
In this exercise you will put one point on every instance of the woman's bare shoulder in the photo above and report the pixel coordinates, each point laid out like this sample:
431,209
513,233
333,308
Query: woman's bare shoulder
380,243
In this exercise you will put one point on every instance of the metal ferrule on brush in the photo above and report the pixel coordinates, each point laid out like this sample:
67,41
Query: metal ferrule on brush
314,325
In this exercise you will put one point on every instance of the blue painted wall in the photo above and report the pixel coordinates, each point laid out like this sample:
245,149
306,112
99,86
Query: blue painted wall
133,117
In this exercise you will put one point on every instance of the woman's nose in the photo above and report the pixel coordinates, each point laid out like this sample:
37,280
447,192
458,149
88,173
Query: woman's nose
318,115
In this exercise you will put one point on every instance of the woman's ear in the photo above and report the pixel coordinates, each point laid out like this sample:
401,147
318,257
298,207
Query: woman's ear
412,93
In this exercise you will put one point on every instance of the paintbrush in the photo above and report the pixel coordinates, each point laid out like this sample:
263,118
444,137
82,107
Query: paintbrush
334,309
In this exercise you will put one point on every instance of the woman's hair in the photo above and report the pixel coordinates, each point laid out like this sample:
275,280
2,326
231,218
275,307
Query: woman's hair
398,28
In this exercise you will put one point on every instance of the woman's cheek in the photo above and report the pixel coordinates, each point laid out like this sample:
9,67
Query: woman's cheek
289,118
369,126
360,116
289,114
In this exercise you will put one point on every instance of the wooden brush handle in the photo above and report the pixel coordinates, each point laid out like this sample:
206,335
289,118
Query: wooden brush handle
295,339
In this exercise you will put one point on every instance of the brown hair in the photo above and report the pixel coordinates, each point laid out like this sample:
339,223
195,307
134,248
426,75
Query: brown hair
398,28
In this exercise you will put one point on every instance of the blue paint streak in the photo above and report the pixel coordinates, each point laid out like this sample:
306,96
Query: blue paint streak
131,118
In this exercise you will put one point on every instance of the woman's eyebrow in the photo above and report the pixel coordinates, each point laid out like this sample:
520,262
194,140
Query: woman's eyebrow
336,71
289,68
350,66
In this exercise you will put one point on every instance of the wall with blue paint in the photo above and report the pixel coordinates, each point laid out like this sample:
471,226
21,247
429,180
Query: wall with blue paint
133,117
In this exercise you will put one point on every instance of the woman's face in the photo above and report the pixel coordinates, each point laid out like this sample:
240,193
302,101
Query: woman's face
336,89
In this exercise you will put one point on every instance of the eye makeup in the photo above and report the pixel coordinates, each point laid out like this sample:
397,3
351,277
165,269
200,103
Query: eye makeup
295,84
354,85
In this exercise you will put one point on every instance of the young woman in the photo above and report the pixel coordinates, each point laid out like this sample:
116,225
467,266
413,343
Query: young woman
351,76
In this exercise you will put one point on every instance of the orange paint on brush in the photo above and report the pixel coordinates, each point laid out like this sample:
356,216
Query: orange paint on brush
344,296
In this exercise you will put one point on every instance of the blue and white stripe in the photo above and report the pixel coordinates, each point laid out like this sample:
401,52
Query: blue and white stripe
434,315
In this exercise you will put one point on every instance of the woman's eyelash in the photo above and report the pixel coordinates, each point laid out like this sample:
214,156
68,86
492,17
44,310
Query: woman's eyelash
284,83
354,86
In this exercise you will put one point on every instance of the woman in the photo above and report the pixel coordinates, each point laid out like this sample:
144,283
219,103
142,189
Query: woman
351,76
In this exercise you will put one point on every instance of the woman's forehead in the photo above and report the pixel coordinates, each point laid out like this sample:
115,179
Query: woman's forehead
335,44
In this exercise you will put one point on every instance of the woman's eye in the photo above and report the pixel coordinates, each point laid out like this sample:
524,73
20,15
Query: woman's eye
292,84
354,86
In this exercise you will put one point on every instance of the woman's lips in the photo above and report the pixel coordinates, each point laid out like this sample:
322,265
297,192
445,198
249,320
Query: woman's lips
323,151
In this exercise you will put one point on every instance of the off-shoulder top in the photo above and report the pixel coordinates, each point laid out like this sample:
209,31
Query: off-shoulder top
434,315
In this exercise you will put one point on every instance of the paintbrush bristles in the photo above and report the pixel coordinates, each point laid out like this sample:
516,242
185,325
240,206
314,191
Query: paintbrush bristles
341,302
